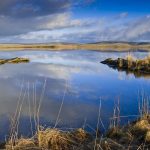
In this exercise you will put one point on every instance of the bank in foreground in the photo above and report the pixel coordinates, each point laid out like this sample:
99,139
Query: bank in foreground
133,136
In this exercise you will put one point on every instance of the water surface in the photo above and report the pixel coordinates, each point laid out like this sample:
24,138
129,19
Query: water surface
74,81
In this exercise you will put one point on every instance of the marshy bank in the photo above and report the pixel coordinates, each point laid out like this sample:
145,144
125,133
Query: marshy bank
135,135
130,65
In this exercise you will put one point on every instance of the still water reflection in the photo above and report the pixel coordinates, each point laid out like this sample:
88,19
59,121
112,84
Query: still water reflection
78,74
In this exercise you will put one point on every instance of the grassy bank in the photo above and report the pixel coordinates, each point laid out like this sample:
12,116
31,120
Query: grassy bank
103,46
134,136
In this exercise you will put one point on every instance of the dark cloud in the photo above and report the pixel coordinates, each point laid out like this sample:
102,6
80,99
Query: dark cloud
23,16
32,8
51,20
60,21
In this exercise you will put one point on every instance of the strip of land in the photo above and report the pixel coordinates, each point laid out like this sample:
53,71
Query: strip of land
14,60
101,46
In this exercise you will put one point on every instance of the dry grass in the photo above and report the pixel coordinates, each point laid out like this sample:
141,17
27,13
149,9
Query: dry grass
147,137
130,57
73,46
133,60
53,139
133,136
22,144
130,64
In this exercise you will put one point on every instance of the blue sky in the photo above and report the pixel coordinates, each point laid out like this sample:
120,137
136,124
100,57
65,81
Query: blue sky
39,21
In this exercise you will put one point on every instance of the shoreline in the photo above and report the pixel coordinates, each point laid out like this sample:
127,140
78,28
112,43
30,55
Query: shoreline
106,47
134,135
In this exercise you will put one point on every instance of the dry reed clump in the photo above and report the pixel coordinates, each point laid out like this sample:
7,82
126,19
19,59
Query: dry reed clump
144,61
115,133
109,144
80,136
140,127
55,139
22,144
120,135
130,58
141,130
116,138
147,61
147,137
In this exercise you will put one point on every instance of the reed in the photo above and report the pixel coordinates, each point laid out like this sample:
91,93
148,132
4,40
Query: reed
133,136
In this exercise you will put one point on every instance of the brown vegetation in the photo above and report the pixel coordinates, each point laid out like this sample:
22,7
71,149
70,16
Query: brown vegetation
14,60
134,136
53,139
71,46
130,64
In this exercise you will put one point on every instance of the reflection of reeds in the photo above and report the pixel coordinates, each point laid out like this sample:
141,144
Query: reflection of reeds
60,109
30,113
36,105
97,128
144,106
116,115
15,119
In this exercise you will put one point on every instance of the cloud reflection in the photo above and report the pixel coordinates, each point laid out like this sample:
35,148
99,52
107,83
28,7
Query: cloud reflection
87,79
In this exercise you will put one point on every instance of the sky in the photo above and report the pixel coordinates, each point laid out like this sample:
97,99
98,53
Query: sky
74,21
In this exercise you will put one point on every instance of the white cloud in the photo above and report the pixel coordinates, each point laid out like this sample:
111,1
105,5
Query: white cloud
62,28
138,29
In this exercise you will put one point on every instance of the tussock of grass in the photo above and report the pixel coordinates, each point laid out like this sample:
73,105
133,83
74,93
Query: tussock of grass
53,139
59,140
22,144
130,57
142,125
147,137
116,138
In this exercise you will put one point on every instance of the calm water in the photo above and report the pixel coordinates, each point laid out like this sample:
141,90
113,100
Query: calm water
76,78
